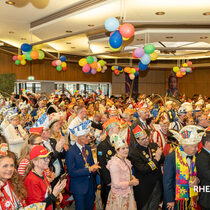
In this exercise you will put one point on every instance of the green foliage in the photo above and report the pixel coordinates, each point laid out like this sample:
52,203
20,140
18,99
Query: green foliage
7,83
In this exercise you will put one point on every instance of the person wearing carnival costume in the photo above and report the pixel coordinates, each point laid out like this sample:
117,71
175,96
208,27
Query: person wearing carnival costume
81,168
12,190
105,151
143,115
37,186
146,159
180,174
122,181
159,136
15,134
203,167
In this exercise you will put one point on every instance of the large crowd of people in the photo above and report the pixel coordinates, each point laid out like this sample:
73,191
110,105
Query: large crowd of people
146,153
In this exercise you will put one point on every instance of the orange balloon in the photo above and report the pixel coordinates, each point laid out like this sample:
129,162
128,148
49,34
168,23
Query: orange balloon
179,74
94,65
127,69
19,57
34,54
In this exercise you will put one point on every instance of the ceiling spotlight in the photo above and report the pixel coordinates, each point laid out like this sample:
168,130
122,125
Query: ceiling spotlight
73,47
160,13
169,37
68,31
203,37
91,25
68,42
23,39
107,47
10,2
139,39
11,32
206,13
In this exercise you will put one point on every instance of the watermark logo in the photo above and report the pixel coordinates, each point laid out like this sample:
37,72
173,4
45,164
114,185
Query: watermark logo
199,189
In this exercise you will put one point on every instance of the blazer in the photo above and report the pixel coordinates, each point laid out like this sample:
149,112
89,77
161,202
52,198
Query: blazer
203,169
81,180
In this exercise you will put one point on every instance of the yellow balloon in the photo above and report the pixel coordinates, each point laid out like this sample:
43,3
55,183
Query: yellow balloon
183,73
63,64
82,61
125,39
98,70
132,71
37,47
23,57
185,65
115,49
23,62
112,68
153,56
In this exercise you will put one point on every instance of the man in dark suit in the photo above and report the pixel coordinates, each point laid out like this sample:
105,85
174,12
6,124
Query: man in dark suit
146,159
203,169
81,168
143,115
105,151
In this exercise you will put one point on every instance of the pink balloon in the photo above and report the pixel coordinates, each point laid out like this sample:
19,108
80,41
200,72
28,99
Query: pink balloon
54,63
183,70
136,68
58,62
14,58
93,71
189,63
139,52
86,68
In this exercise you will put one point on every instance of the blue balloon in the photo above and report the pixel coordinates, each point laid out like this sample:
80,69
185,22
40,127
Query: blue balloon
120,68
145,59
136,74
89,71
26,47
142,67
112,24
115,40
63,58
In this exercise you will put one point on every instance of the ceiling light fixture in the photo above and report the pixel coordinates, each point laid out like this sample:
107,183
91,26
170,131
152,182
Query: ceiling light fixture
10,2
169,37
91,25
73,47
68,42
203,37
206,13
140,39
160,13
23,39
68,31
11,32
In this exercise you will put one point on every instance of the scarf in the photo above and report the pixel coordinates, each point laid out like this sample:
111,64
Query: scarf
185,195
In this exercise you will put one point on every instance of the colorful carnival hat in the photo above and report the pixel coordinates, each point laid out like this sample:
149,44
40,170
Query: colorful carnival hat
117,141
110,102
189,134
37,130
141,106
164,119
113,121
138,132
3,149
187,106
38,151
182,110
113,110
23,105
82,129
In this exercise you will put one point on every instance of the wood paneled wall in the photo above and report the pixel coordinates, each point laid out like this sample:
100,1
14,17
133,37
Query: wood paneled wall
43,70
198,82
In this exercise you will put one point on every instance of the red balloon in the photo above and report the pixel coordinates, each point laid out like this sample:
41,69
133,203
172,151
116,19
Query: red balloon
64,68
133,54
116,72
127,30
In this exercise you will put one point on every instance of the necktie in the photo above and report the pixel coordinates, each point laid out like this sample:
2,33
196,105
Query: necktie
84,153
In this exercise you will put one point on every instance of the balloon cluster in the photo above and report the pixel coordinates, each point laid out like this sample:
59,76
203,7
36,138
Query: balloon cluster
132,72
19,59
146,55
60,64
184,70
117,69
118,32
92,65
32,53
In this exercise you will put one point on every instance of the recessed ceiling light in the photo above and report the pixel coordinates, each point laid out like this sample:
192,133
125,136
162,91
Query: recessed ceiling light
106,47
68,42
10,2
169,37
140,39
68,31
206,13
23,39
203,37
160,13
91,25
73,47
11,32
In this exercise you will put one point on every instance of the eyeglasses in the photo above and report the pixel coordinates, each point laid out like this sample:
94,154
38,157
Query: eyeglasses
45,159
38,143
144,139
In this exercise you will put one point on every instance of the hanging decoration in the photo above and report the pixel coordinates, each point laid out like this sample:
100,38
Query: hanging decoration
146,55
119,33
60,63
132,72
92,65
117,69
183,70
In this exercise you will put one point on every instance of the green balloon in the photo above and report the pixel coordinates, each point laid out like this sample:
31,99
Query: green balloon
149,48
41,55
101,62
28,56
59,68
17,62
90,59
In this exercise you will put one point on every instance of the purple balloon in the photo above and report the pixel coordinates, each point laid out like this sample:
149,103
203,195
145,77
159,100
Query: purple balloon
93,71
139,52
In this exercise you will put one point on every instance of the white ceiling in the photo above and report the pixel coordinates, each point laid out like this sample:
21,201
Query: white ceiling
151,28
